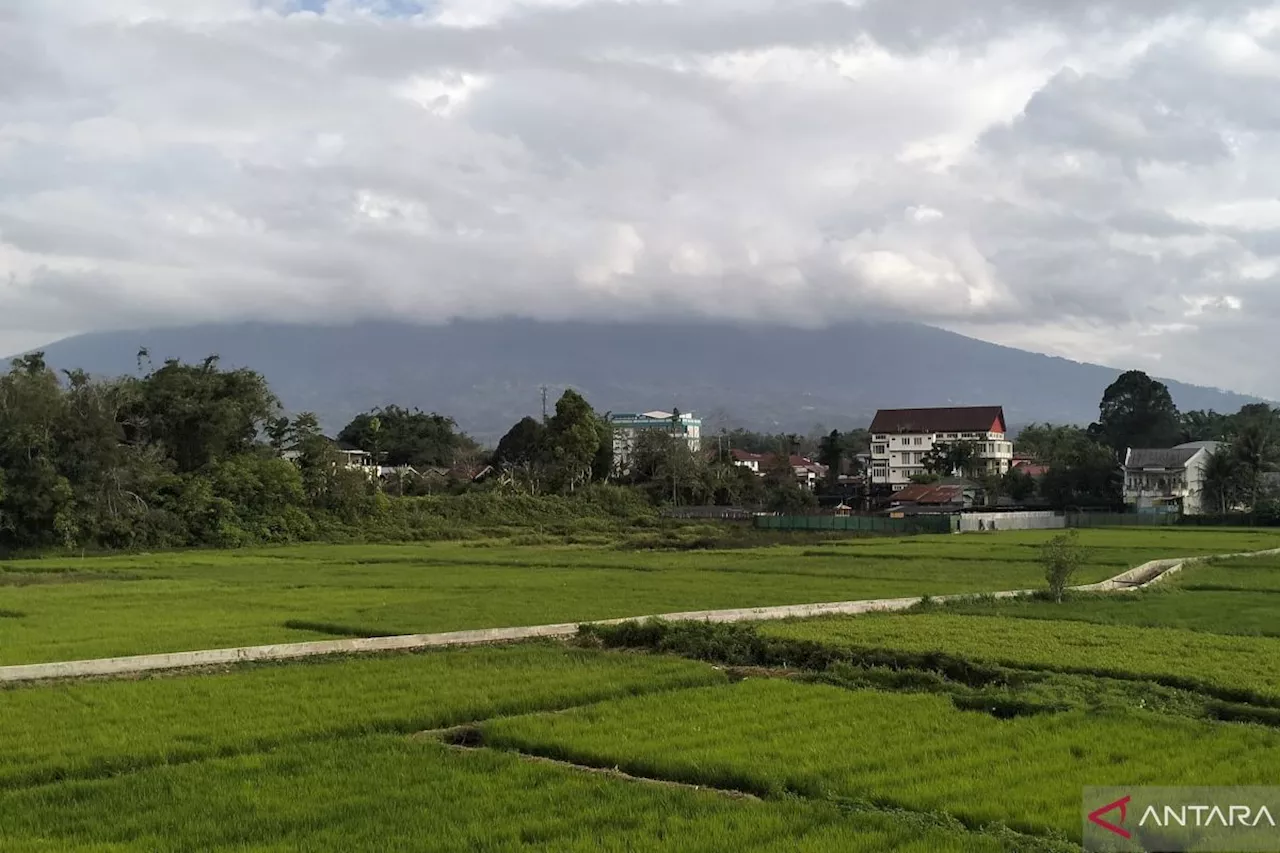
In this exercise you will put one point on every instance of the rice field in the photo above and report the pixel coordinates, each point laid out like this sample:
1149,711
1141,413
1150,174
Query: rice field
512,747
914,752
383,794
1228,665
75,608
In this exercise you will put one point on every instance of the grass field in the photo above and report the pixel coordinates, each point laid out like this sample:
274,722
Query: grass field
914,752
335,754
377,793
1249,666
65,609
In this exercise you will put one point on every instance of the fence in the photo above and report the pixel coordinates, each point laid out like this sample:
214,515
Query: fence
856,523
1120,519
717,513
970,522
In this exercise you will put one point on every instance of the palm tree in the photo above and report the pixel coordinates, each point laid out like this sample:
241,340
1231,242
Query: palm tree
1222,479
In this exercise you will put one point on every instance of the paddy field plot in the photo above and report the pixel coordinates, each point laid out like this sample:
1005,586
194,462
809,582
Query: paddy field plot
75,608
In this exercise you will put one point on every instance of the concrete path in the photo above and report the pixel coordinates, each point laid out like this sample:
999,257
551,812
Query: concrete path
1142,576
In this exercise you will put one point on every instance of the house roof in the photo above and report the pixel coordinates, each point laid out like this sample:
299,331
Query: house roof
1150,457
929,493
1207,445
767,459
955,419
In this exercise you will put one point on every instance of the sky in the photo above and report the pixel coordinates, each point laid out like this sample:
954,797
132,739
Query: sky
1096,180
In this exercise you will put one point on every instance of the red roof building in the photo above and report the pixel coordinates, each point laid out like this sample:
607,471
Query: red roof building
904,440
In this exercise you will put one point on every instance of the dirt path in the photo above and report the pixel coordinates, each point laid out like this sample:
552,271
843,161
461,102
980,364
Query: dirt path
1137,578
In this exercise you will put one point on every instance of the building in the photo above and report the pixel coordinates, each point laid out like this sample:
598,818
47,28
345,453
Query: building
626,428
808,474
901,439
1167,480
351,457
950,496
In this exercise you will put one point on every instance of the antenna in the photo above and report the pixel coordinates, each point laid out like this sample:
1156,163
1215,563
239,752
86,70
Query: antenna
544,404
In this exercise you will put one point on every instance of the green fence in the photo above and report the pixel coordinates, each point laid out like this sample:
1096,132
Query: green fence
1121,519
856,523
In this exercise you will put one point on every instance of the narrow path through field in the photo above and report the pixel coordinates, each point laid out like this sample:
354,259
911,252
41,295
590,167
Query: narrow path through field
1137,578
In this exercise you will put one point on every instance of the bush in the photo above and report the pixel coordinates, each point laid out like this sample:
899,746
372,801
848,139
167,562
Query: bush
1061,557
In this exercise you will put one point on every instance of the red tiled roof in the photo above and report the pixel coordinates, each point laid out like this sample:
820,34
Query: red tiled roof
926,493
957,419
1033,469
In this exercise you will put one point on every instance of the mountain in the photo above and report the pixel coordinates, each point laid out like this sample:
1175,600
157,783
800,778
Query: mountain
488,374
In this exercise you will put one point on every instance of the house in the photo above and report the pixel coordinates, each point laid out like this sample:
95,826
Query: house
808,473
901,439
352,457
627,427
1167,480
949,495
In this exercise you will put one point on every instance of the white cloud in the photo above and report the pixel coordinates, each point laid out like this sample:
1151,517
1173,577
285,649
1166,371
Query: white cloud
1095,180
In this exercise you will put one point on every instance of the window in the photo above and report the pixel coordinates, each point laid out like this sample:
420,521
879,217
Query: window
918,441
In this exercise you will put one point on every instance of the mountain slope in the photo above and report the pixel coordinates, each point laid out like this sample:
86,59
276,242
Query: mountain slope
488,374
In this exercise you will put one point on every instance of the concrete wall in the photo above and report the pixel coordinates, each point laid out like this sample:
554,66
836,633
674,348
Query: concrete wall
1038,520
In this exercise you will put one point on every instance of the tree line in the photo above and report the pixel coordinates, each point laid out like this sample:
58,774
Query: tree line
1136,411
194,454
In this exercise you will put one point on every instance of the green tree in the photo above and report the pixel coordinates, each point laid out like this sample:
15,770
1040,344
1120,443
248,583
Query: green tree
1046,443
1084,474
1136,411
573,438
1221,480
831,453
1255,449
1018,485
200,414
398,436
951,459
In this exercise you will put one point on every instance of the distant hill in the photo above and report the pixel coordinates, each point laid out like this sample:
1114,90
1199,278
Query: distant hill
488,374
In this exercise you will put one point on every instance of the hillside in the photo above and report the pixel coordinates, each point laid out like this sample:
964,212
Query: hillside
489,374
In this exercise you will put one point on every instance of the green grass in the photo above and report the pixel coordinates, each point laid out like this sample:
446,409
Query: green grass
1228,597
1230,667
916,752
87,728
381,794
72,608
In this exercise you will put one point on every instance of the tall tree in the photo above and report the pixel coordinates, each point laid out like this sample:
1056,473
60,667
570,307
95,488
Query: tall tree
1221,480
1046,442
1136,411
831,453
200,413
573,437
407,437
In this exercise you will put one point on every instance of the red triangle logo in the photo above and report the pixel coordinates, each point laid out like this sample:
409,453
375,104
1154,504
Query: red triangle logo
1095,817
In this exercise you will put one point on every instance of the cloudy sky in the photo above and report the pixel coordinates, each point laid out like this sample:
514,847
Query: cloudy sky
1098,180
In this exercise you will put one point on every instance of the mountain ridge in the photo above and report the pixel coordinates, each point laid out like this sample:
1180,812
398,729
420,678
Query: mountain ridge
488,374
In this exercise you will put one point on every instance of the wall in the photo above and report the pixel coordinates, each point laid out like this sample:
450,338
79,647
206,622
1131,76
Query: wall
1036,520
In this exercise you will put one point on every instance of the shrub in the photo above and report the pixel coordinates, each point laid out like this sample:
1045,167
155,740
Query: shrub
1061,557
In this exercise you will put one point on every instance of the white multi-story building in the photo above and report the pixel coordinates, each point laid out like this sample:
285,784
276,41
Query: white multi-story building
902,438
627,426
1172,480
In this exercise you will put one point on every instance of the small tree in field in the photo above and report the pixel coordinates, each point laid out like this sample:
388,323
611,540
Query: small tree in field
1061,557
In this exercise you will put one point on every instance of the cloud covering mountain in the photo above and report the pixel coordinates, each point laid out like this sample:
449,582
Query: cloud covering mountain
1089,179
